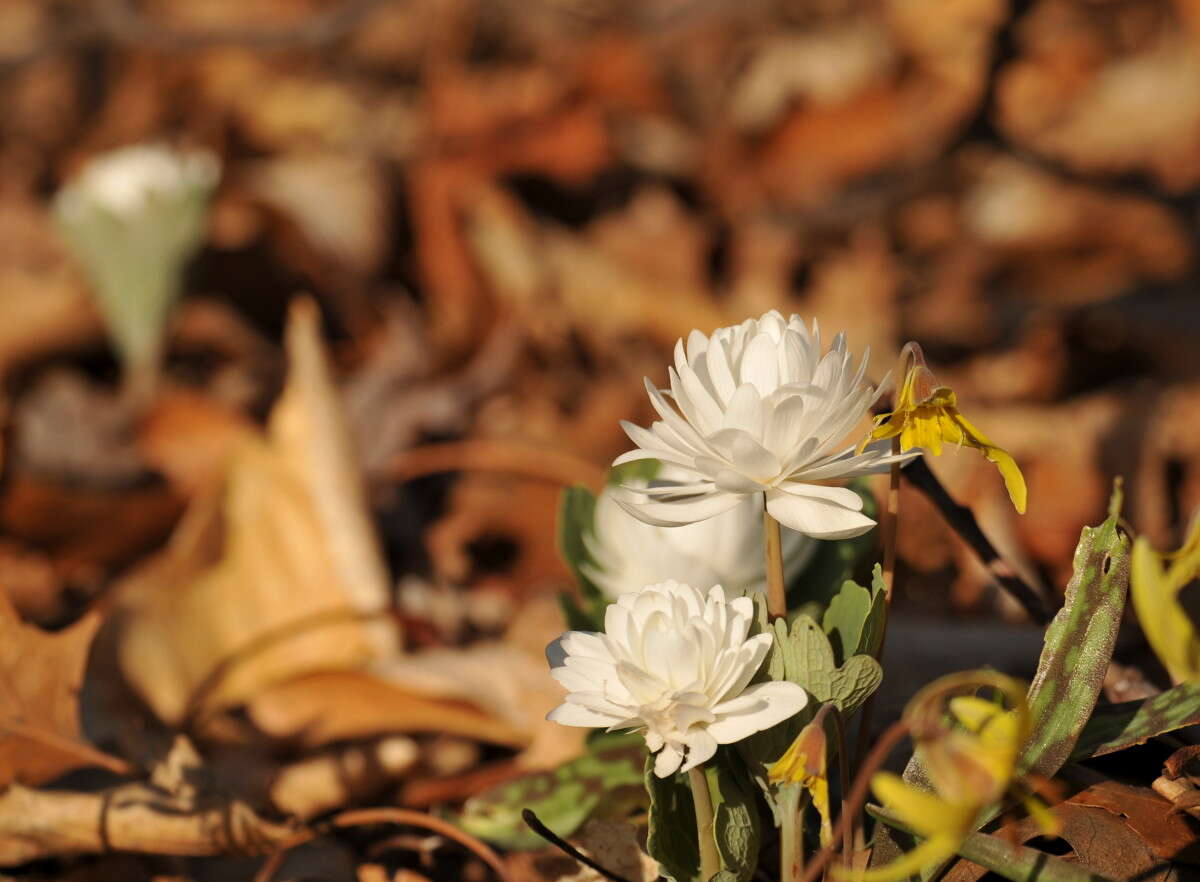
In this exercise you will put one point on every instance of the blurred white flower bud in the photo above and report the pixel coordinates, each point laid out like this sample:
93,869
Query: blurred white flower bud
726,549
133,217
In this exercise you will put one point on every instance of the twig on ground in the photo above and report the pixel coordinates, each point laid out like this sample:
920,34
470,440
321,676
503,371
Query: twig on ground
366,817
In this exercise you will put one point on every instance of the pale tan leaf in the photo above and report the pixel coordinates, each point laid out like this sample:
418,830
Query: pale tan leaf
277,577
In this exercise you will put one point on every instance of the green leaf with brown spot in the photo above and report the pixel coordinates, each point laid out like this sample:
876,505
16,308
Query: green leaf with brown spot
1118,726
604,782
1078,646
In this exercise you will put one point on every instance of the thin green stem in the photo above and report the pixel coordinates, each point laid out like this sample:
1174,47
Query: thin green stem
791,832
773,545
710,861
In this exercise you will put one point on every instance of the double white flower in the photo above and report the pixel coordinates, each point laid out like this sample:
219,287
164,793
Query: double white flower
677,664
724,550
760,411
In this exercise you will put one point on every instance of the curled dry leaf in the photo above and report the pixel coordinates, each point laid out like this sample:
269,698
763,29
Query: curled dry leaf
1116,831
40,678
273,575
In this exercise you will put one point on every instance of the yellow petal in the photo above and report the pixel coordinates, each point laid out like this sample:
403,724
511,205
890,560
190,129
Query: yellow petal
1167,626
929,853
1014,481
1048,822
921,809
890,429
974,712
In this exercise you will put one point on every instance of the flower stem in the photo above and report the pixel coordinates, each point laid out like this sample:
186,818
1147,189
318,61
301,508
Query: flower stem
791,833
891,521
773,545
710,861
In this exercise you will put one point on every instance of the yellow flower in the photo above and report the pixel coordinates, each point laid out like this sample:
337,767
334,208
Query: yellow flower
971,764
927,416
1155,582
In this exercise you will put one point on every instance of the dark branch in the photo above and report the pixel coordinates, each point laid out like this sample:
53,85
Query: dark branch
962,521
558,842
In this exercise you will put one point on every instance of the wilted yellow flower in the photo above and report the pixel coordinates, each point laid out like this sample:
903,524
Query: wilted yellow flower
805,763
927,416
971,764
1155,582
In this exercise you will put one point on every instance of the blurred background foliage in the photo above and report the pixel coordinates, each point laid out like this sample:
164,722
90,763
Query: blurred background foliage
508,211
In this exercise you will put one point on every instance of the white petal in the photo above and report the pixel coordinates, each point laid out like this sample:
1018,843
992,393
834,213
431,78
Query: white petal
569,714
694,401
672,418
681,511
697,343
760,707
735,482
666,763
784,425
745,410
752,459
846,465
719,372
816,516
701,746
760,364
843,496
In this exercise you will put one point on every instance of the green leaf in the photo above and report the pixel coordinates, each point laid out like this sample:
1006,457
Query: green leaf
1078,647
671,826
854,618
1118,726
671,839
638,470
606,781
736,823
579,618
871,641
804,655
576,519
845,616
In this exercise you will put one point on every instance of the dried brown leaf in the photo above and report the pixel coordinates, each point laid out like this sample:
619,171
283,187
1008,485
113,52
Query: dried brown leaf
41,674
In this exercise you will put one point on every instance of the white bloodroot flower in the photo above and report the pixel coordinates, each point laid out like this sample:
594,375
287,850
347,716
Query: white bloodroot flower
725,550
760,411
134,217
676,664
130,180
